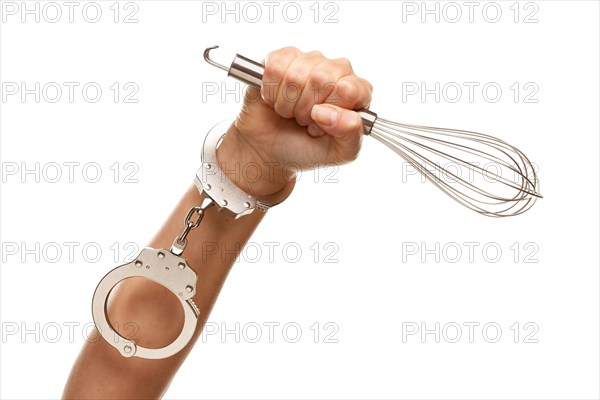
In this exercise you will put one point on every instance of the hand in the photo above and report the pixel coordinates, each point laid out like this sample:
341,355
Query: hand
301,118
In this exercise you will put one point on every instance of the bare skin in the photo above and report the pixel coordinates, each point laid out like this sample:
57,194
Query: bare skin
303,116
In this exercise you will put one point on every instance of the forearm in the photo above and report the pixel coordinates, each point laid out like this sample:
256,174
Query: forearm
155,314
271,133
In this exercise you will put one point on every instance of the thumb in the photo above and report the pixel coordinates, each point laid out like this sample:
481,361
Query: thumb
336,121
344,126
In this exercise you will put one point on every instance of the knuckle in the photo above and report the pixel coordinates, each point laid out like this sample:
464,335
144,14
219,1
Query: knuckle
321,77
294,77
275,69
367,85
288,52
278,61
367,96
344,63
348,89
291,50
370,87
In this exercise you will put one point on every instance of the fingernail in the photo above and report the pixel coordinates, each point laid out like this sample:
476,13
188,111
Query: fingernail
324,115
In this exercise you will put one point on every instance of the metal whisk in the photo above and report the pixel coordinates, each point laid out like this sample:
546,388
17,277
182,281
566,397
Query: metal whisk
481,172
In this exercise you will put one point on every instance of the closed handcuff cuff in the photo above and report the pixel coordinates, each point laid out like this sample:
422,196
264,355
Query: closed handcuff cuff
167,267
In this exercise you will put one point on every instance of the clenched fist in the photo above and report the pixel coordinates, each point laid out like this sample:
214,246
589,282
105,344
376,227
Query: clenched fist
302,117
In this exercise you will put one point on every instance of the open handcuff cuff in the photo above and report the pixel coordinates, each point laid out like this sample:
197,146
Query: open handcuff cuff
167,267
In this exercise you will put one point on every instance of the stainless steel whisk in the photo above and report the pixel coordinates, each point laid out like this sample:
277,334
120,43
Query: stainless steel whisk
481,172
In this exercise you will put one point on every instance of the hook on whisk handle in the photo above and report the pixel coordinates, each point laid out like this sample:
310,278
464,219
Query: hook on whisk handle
251,73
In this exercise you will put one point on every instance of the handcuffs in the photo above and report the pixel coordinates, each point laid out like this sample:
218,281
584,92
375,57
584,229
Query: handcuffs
167,267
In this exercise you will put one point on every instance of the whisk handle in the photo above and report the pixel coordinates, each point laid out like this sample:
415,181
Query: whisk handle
251,73
246,70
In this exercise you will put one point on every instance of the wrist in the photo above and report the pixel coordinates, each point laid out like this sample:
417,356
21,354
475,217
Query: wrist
242,165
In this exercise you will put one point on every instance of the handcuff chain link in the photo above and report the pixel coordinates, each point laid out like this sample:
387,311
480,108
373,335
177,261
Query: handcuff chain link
181,241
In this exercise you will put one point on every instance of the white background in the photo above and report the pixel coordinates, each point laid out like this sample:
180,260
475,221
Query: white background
368,215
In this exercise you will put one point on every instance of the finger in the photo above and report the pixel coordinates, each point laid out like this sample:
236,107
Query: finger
314,130
276,65
351,92
294,82
344,127
320,85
